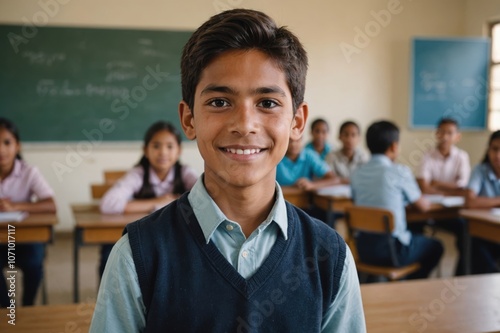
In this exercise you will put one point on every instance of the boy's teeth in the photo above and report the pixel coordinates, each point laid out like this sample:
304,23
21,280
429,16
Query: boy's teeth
243,151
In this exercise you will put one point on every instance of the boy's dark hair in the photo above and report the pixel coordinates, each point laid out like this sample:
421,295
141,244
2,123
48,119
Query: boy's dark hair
346,124
380,136
12,128
146,191
243,29
495,135
318,121
446,121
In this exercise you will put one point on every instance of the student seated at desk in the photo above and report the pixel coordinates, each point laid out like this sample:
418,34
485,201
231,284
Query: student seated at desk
445,169
19,184
304,168
385,184
319,143
345,160
158,179
232,255
484,192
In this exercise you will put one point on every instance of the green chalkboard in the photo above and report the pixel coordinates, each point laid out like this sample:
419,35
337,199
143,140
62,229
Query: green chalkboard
71,84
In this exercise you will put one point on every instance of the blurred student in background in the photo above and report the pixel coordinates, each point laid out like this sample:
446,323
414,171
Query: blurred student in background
346,159
22,188
158,178
484,192
319,133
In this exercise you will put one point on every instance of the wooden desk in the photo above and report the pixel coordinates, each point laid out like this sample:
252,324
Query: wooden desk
482,224
94,228
35,228
463,304
49,318
296,196
304,199
436,212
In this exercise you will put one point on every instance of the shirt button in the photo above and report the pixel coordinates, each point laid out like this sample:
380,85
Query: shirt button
244,254
229,227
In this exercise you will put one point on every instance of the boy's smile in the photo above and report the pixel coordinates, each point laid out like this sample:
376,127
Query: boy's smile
242,119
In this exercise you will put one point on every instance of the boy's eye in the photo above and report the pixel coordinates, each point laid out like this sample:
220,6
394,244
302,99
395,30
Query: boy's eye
218,103
268,104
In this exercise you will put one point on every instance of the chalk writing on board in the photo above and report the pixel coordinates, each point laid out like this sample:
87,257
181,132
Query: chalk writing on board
49,87
41,58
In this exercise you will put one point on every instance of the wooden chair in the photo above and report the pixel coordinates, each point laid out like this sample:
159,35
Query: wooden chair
111,176
98,190
381,221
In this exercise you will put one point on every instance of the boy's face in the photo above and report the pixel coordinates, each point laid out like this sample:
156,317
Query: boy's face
494,154
9,148
242,119
294,149
447,135
349,137
320,133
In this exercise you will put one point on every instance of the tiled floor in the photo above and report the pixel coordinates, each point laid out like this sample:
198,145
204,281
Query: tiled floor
59,267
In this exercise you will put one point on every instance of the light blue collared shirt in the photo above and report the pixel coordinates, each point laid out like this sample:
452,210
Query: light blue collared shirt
120,308
308,165
385,184
483,181
328,148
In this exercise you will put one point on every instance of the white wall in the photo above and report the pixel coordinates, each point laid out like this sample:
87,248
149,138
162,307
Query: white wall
372,85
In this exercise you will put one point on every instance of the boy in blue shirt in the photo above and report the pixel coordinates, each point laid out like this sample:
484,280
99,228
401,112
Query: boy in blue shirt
232,255
385,184
304,168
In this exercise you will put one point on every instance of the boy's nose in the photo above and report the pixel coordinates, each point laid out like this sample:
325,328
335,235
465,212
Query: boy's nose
244,120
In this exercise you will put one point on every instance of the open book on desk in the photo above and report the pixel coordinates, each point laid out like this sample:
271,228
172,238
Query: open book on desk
342,191
12,216
452,201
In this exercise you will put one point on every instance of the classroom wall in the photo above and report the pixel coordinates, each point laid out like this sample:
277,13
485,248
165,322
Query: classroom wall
365,82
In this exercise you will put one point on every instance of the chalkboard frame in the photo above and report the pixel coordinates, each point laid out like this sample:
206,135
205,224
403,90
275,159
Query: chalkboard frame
468,103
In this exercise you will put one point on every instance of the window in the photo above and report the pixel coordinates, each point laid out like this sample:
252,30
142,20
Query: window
494,93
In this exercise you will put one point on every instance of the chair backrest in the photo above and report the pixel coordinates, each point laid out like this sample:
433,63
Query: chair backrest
98,190
369,219
111,176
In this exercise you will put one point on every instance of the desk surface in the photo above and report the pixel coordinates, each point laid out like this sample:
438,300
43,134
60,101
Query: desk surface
34,220
464,304
482,224
34,228
49,319
88,216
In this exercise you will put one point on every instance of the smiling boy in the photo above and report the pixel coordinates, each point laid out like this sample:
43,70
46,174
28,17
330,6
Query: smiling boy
232,255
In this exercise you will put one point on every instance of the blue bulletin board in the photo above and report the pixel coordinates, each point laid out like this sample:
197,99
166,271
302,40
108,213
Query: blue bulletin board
449,79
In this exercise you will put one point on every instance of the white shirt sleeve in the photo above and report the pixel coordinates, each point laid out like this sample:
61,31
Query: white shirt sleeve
117,197
119,306
346,312
38,185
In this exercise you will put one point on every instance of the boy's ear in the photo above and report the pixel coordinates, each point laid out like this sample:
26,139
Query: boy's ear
187,120
299,121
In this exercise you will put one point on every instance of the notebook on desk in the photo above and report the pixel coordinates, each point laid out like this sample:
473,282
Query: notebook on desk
12,216
343,191
452,201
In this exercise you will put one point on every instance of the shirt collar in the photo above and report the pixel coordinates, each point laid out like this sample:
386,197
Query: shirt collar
210,216
154,180
16,171
382,159
490,173
453,152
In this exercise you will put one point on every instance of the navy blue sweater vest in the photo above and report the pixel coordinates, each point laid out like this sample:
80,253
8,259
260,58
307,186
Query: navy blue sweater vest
188,286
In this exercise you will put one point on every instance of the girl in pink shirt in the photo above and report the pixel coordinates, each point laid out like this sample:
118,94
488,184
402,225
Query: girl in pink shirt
158,178
19,184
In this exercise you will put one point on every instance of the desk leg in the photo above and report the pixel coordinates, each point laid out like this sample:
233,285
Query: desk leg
330,215
76,265
467,249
